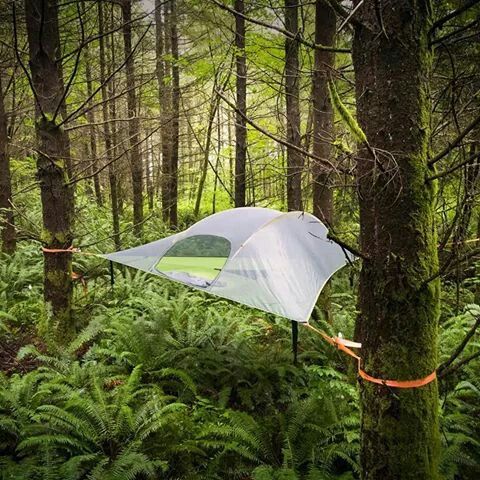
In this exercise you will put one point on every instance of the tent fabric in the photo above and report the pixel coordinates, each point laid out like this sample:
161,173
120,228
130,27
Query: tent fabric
274,261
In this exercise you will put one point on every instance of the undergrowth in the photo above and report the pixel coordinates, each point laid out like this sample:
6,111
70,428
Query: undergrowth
162,382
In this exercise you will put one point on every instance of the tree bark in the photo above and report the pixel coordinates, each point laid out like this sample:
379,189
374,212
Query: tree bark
162,47
399,309
91,120
149,173
52,143
325,26
108,112
231,170
206,150
7,226
323,135
241,105
292,98
136,166
175,127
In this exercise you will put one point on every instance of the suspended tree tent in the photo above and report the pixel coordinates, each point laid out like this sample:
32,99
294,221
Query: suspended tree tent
276,262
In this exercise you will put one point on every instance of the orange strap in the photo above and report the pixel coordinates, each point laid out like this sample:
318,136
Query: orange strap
70,249
344,345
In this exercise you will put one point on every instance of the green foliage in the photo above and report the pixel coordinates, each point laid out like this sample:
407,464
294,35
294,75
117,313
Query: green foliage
161,382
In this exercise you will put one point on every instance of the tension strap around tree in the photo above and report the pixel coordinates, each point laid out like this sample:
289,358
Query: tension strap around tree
343,344
70,249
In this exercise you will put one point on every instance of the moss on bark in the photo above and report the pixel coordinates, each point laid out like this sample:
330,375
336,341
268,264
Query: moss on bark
52,160
399,310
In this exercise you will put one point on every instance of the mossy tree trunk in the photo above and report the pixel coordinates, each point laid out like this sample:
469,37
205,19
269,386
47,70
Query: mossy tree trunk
7,227
52,154
399,309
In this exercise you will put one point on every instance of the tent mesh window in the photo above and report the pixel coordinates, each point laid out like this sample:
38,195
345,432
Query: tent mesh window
199,258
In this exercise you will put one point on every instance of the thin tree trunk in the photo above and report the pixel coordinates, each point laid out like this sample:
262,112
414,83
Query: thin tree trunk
241,105
164,95
231,172
109,144
325,25
136,166
6,212
56,195
91,120
206,151
217,159
322,116
292,98
399,310
149,170
175,127
93,143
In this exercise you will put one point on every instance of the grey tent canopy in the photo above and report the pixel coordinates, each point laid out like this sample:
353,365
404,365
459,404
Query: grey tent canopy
274,261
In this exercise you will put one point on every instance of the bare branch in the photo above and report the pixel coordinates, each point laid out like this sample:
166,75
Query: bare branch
284,32
442,21
323,161
455,143
471,159
86,102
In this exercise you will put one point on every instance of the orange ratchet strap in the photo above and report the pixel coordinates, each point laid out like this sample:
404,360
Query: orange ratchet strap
344,345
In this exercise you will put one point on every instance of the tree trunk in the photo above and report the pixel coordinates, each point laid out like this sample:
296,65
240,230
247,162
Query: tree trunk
91,120
52,140
108,111
175,126
231,171
149,172
164,95
206,150
133,124
292,98
399,309
240,123
6,212
217,159
323,136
